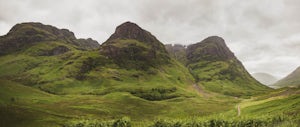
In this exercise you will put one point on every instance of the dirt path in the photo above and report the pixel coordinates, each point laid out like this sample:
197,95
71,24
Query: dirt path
239,110
199,90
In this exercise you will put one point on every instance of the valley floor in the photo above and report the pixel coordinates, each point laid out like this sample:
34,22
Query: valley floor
27,106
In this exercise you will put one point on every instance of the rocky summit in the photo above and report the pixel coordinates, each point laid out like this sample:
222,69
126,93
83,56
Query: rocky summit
211,48
129,30
131,46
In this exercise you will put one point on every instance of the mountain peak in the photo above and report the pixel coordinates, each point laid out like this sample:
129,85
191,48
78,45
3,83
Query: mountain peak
133,47
212,47
129,30
215,39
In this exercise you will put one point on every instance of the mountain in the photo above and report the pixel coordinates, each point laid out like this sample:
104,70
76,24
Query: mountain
265,78
48,77
216,67
291,80
133,47
28,34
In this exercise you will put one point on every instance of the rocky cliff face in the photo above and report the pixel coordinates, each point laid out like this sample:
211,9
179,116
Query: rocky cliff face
87,44
133,47
211,48
27,34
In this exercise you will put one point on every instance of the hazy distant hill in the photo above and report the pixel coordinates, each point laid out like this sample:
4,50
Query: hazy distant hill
265,78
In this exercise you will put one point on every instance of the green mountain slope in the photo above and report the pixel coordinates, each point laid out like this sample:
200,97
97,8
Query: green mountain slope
292,80
215,67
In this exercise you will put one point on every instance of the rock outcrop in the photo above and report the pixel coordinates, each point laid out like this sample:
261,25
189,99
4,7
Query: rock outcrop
211,48
129,30
55,51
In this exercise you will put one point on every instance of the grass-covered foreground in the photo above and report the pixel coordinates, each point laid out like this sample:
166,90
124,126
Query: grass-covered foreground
278,109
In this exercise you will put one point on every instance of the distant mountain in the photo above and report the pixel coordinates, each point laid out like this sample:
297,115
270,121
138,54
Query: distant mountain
178,52
292,80
265,78
133,47
216,67
25,35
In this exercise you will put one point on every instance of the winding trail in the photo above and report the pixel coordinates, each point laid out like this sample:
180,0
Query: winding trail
200,90
239,110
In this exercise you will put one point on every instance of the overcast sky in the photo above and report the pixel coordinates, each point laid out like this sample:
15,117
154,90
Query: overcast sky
263,34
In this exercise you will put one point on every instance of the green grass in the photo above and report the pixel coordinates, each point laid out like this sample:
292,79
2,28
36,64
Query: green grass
58,108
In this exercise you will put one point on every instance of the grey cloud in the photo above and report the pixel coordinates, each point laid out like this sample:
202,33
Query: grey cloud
263,34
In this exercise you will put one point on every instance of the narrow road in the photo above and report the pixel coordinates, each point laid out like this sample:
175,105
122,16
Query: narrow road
239,110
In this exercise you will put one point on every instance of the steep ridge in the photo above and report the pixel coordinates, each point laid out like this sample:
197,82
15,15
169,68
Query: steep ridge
216,67
25,35
291,80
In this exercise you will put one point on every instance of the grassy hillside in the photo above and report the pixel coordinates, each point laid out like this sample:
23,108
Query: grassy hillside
278,108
